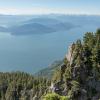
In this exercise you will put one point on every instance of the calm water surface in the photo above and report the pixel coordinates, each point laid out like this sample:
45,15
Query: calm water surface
31,53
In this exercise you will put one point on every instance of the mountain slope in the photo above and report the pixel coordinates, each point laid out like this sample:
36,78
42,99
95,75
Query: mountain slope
49,71
21,86
79,76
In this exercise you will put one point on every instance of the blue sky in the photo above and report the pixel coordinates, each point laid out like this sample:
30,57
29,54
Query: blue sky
50,6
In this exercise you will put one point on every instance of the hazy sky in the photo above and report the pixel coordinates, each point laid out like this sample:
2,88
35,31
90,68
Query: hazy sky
50,6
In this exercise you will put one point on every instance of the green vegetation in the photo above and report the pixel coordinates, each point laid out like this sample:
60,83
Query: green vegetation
48,72
54,96
81,77
21,86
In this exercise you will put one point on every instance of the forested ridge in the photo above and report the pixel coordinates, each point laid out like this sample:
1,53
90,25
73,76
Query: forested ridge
76,78
79,76
21,86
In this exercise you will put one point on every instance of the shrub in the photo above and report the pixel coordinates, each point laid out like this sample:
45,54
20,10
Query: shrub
54,96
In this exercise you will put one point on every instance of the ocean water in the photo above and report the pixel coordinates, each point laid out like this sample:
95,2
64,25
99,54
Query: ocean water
30,53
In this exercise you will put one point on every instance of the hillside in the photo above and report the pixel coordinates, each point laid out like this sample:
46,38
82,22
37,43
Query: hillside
49,71
31,28
21,86
79,77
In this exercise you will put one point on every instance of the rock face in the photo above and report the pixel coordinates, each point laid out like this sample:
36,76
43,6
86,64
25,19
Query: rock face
35,98
69,55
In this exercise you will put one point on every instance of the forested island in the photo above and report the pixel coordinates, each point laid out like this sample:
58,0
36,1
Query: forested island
76,77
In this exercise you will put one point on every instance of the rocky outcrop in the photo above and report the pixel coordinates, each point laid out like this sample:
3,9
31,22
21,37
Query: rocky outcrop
69,55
